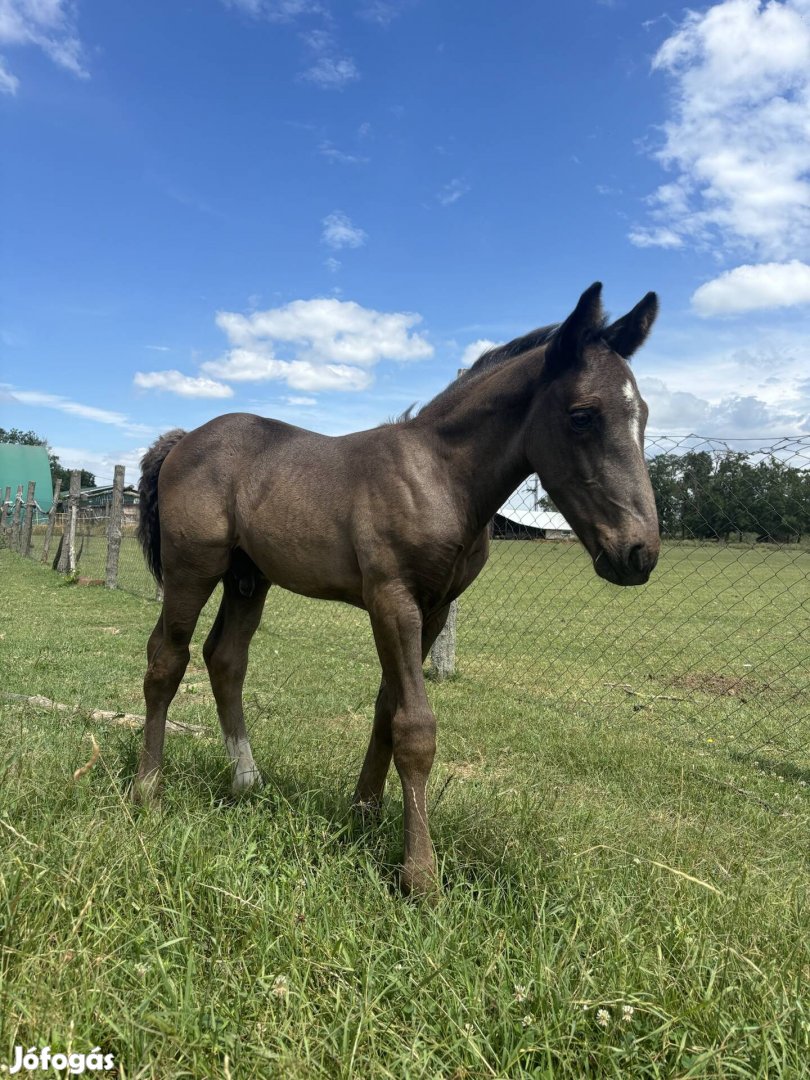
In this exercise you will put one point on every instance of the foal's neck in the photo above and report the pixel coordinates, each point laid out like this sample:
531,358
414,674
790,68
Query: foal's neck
479,424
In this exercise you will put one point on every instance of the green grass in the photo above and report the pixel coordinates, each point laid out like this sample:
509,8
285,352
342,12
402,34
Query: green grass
601,849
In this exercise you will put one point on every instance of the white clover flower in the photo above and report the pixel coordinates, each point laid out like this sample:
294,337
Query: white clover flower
521,993
602,1017
627,1013
281,986
527,1020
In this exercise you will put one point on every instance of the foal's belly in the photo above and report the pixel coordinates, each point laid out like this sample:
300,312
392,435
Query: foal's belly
310,566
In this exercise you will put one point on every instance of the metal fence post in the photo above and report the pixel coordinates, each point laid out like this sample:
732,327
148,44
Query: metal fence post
5,520
28,520
16,520
67,555
46,547
114,528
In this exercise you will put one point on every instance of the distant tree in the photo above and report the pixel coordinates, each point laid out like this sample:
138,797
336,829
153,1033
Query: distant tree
58,470
665,478
715,496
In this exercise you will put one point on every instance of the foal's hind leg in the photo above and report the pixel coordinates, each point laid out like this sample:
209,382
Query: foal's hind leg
167,653
226,656
371,783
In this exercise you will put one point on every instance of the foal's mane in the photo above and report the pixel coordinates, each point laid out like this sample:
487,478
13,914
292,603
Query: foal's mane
485,362
496,357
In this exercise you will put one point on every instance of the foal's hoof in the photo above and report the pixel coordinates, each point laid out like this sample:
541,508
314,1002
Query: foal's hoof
419,880
145,790
367,811
246,780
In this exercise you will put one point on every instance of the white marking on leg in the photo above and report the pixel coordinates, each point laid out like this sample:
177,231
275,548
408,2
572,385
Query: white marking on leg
245,772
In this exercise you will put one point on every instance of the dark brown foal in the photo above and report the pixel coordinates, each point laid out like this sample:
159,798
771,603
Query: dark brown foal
395,521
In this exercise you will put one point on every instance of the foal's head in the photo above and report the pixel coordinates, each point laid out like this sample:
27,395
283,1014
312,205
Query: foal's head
586,438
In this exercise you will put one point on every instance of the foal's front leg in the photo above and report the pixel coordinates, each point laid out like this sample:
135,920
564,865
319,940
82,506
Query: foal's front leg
397,624
371,784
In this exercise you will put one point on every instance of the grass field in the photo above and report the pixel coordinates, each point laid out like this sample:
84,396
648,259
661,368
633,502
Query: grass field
620,807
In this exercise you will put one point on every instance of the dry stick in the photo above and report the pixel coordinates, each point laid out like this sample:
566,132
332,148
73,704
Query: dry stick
652,862
646,697
28,520
107,716
742,791
85,769
51,520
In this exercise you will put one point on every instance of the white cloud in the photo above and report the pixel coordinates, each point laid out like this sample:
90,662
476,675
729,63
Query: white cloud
339,232
102,463
185,385
738,140
382,12
38,399
453,191
301,400
277,10
46,24
331,72
327,344
475,349
679,412
754,288
728,381
339,157
8,82
332,264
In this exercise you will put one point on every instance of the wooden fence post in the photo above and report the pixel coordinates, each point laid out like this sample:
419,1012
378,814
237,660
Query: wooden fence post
443,651
67,556
28,520
16,520
5,519
46,547
114,526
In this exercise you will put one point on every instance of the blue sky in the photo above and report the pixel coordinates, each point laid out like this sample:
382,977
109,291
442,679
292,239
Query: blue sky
318,210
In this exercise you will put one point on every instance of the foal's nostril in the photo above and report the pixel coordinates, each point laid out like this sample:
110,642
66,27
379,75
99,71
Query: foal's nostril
636,557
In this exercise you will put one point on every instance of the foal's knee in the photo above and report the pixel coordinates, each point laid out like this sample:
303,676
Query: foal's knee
414,736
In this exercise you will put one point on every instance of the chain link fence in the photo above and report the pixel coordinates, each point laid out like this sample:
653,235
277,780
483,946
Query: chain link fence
715,649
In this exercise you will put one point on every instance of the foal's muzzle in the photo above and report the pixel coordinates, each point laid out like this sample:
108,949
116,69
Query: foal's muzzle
628,564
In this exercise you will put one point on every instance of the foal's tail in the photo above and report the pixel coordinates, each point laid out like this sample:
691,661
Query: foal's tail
148,515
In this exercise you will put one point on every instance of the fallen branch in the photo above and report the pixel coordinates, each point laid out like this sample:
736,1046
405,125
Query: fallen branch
741,791
645,697
105,716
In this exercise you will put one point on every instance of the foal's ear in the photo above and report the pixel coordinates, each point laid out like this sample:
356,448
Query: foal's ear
566,346
630,332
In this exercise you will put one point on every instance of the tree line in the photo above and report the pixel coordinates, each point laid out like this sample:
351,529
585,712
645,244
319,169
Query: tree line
728,496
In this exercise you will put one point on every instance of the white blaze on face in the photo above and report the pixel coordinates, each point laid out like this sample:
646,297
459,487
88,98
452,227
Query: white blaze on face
631,394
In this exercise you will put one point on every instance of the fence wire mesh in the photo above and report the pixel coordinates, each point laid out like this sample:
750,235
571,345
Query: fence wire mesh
715,649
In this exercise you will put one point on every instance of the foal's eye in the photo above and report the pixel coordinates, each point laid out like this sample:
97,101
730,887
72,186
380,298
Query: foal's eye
581,419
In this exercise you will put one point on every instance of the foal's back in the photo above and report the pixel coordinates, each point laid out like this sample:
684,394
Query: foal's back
316,513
